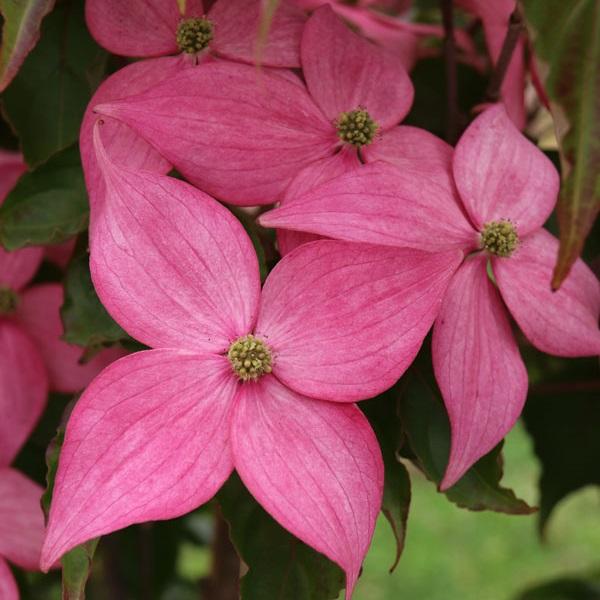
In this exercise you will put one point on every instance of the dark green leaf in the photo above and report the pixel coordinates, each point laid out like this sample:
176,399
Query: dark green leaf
280,566
48,205
565,588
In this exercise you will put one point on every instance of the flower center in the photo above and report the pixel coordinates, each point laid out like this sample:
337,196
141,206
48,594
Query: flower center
8,301
356,127
500,238
193,35
250,358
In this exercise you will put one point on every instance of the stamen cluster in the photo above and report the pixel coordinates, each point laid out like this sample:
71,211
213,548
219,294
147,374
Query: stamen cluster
250,358
356,127
193,35
500,238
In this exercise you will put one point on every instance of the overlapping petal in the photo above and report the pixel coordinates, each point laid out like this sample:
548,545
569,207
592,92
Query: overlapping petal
315,466
346,320
148,440
19,266
477,366
8,585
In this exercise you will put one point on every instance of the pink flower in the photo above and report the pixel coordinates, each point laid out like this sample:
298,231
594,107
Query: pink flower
237,377
242,135
505,190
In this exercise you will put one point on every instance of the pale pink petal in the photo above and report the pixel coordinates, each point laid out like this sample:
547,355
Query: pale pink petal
381,204
500,174
18,267
148,440
344,71
8,585
315,467
237,25
60,254
345,320
23,389
21,519
237,133
478,367
137,27
565,322
173,267
39,314
12,167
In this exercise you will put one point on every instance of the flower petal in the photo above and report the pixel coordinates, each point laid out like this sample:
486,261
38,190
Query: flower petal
565,322
345,320
21,519
12,167
23,389
39,314
478,367
237,133
500,174
380,204
315,467
8,585
148,440
174,267
19,266
344,71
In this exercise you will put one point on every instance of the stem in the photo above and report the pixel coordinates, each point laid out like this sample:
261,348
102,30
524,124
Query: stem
452,114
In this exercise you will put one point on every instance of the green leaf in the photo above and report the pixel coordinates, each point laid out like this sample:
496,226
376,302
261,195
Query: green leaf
48,205
566,38
20,33
46,100
565,588
280,566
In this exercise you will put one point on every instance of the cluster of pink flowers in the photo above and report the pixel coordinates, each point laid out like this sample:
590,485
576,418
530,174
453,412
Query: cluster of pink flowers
384,232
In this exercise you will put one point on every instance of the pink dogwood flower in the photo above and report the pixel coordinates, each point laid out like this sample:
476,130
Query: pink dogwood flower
260,381
490,198
225,119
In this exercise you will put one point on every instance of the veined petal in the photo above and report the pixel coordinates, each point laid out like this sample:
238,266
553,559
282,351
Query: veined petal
237,133
23,389
174,267
21,519
18,267
565,322
345,320
315,467
8,585
501,175
380,204
477,366
12,167
39,314
148,440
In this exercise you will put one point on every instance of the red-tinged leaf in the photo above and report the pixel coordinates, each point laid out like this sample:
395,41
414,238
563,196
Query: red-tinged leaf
566,38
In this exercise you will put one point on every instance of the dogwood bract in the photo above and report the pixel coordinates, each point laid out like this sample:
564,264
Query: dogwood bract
505,190
237,377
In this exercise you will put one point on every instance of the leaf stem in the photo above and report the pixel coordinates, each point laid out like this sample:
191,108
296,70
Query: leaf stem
452,114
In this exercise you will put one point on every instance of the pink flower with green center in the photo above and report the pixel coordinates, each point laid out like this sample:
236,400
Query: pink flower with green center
260,381
264,127
490,197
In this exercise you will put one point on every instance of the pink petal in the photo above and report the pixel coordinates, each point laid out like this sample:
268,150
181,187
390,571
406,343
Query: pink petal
39,314
23,389
315,467
18,267
244,157
137,27
237,26
565,322
174,267
344,71
500,174
21,519
381,204
12,167
148,440
345,320
8,585
60,254
477,366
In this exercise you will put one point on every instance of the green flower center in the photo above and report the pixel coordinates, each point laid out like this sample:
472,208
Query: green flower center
500,238
356,127
8,301
250,358
193,35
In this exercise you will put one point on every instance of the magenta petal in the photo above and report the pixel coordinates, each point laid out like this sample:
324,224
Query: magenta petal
148,440
23,389
346,320
381,204
174,267
21,519
565,322
315,466
39,313
8,585
12,167
237,133
344,71
500,174
478,367
19,266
